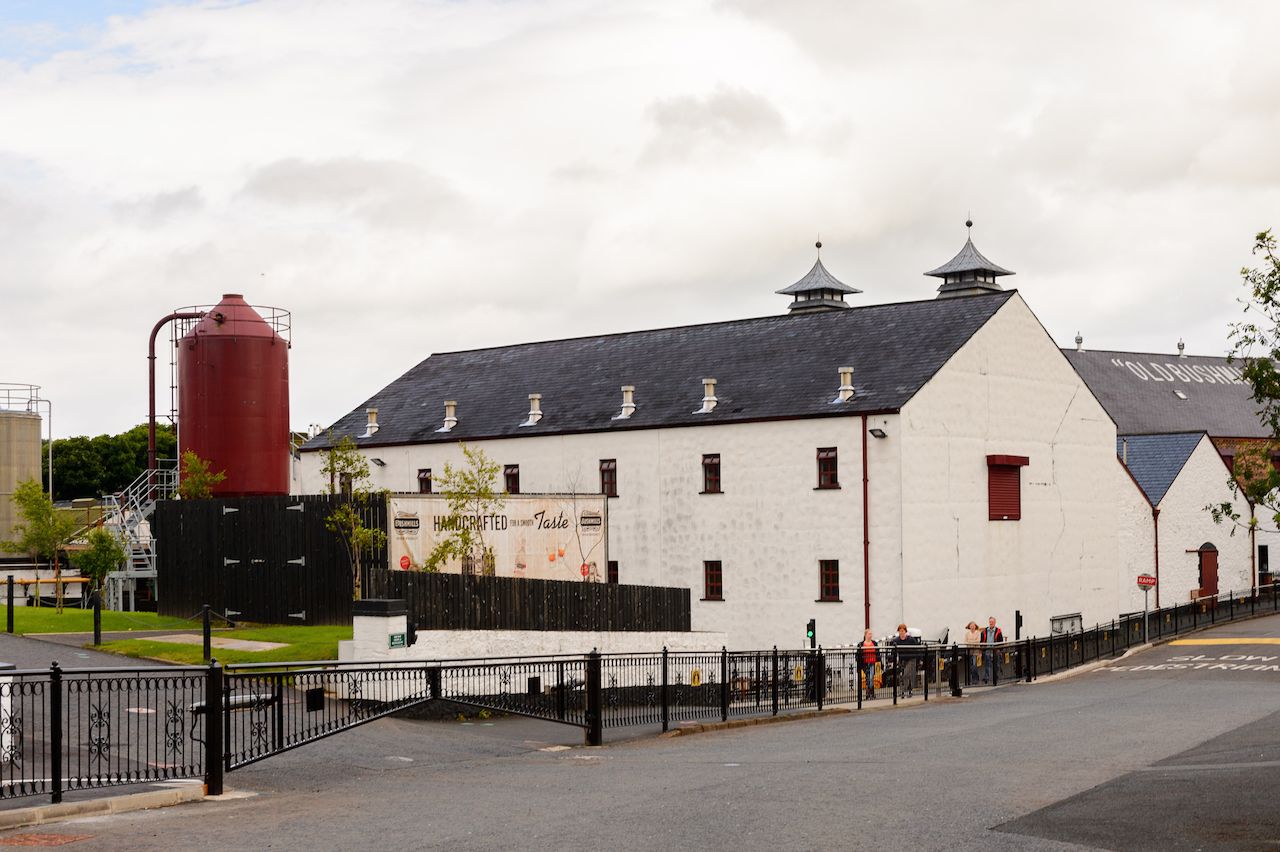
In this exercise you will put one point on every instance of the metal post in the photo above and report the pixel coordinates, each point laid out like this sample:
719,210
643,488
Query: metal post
1051,653
820,684
1030,660
928,668
97,617
278,711
995,667
724,684
956,691
595,722
1233,606
207,633
10,596
560,696
213,720
666,680
1146,594
774,680
55,731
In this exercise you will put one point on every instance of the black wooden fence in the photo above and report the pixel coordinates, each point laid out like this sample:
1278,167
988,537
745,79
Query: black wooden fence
268,558
473,602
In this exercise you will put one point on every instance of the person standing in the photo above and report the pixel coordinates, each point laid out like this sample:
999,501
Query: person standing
868,656
906,659
991,636
972,639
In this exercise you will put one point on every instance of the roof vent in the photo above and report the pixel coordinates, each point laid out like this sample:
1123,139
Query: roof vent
846,385
969,273
1182,348
628,403
450,415
708,396
535,410
1079,342
372,426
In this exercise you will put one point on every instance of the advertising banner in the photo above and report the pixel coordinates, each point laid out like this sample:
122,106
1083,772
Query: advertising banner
541,536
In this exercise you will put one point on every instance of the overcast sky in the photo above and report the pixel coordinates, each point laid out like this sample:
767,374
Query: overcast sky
411,177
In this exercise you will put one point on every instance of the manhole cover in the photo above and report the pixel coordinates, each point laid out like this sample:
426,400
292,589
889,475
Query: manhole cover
43,839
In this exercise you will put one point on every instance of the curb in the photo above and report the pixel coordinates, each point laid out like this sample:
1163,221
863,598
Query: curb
709,727
41,814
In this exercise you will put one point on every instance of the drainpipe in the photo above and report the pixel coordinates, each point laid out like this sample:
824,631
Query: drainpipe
1155,522
151,381
1253,549
866,532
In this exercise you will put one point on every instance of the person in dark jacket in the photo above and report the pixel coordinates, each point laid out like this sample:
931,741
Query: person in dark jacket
991,636
907,658
868,656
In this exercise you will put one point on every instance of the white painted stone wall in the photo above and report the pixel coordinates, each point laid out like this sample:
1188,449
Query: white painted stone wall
1185,525
769,527
369,642
1008,391
1136,546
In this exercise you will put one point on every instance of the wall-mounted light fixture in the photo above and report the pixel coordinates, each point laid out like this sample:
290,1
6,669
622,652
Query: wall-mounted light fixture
378,462
878,433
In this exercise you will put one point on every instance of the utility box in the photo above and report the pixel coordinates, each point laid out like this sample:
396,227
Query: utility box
377,625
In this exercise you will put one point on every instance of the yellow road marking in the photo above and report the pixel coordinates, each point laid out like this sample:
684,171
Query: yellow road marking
1259,641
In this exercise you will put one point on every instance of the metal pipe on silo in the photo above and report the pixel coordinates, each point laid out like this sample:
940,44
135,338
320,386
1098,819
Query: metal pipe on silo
151,380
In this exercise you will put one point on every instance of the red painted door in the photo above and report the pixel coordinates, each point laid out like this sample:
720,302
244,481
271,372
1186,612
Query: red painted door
1208,571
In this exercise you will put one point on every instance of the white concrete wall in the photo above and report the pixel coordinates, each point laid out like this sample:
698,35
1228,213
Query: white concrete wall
1185,524
1008,391
769,527
474,644
1136,542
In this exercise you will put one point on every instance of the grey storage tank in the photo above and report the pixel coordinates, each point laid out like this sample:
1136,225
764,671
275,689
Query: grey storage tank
20,430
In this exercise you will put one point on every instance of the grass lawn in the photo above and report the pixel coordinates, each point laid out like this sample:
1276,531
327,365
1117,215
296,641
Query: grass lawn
301,643
45,619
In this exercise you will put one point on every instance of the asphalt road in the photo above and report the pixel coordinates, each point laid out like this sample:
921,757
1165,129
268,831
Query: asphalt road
1161,751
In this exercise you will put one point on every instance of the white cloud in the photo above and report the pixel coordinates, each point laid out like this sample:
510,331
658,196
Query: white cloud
410,177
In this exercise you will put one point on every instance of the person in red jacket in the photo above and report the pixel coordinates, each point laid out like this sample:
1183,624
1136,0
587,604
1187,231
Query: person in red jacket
868,656
991,636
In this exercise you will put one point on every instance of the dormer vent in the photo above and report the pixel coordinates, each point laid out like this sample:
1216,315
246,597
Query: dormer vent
535,410
450,415
818,290
846,385
708,397
969,273
372,425
1182,348
1079,342
628,403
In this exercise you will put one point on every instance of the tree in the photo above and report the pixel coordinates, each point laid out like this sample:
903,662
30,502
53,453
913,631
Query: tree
91,467
348,472
195,482
43,531
469,491
1255,344
103,555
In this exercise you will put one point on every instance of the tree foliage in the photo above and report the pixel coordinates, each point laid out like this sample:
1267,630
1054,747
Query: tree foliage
92,467
469,491
1255,345
195,481
42,531
348,472
103,555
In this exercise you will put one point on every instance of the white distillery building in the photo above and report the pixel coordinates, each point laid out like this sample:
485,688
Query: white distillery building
929,462
1181,420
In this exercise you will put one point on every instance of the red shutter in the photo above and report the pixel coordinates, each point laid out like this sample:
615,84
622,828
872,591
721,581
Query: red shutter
1004,492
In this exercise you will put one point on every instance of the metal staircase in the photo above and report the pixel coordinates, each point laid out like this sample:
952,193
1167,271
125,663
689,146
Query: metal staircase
128,516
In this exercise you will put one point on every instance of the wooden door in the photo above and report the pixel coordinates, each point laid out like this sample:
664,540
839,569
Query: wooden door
1208,570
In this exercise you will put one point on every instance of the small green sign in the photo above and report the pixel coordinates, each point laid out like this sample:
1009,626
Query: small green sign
397,640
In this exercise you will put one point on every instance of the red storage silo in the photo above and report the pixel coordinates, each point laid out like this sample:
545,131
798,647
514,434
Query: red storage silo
233,397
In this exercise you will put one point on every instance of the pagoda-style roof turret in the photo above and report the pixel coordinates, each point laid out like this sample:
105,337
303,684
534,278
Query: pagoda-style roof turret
818,290
969,272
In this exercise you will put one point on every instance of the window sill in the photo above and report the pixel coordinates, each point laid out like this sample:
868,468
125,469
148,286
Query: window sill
828,600
827,488
711,600
710,492
1005,518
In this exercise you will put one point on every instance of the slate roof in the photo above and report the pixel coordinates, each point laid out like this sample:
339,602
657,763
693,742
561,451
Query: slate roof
1156,460
1138,390
768,368
817,278
969,260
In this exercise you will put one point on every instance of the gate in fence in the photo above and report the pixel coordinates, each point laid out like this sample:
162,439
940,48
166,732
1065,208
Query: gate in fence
78,729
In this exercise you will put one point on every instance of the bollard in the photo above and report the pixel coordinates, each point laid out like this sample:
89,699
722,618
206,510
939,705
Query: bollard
724,684
55,731
666,680
207,633
956,691
10,603
213,721
595,719
97,617
774,680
